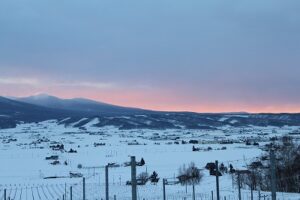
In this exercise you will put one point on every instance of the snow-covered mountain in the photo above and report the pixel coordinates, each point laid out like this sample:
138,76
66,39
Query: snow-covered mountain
79,105
13,112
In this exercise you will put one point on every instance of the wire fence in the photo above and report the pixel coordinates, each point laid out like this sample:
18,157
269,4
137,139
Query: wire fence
93,190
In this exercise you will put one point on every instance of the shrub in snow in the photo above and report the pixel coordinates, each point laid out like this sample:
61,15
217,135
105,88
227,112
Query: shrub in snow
190,175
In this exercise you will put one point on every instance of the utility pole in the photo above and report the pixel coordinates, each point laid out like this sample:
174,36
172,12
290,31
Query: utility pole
273,175
212,195
66,191
83,188
71,193
252,184
251,191
133,178
239,185
217,180
106,183
4,194
194,196
164,189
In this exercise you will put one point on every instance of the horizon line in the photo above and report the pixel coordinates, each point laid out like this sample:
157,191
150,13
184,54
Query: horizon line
149,109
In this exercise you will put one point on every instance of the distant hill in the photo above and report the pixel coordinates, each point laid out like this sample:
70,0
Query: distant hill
84,106
13,112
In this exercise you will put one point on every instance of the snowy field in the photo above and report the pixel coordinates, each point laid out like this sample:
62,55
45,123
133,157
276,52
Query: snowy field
26,174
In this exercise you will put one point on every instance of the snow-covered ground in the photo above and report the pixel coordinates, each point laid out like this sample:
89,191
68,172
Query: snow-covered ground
24,168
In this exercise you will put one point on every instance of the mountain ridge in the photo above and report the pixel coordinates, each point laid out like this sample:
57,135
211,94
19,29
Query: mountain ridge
79,112
79,105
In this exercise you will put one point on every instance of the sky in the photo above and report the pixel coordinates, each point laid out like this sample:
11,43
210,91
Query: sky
193,55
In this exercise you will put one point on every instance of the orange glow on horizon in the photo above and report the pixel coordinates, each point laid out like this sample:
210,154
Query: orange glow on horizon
166,101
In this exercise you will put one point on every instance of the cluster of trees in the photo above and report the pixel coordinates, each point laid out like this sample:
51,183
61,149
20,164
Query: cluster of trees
211,166
287,168
190,175
144,177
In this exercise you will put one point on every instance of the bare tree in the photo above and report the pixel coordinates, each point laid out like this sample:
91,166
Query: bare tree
190,175
142,178
287,167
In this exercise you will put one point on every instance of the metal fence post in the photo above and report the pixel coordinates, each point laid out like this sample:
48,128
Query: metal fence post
133,178
106,183
83,188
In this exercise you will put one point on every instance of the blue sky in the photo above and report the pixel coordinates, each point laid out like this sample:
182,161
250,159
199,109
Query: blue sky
205,56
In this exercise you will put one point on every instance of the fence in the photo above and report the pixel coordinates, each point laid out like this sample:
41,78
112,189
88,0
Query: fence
96,191
91,188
